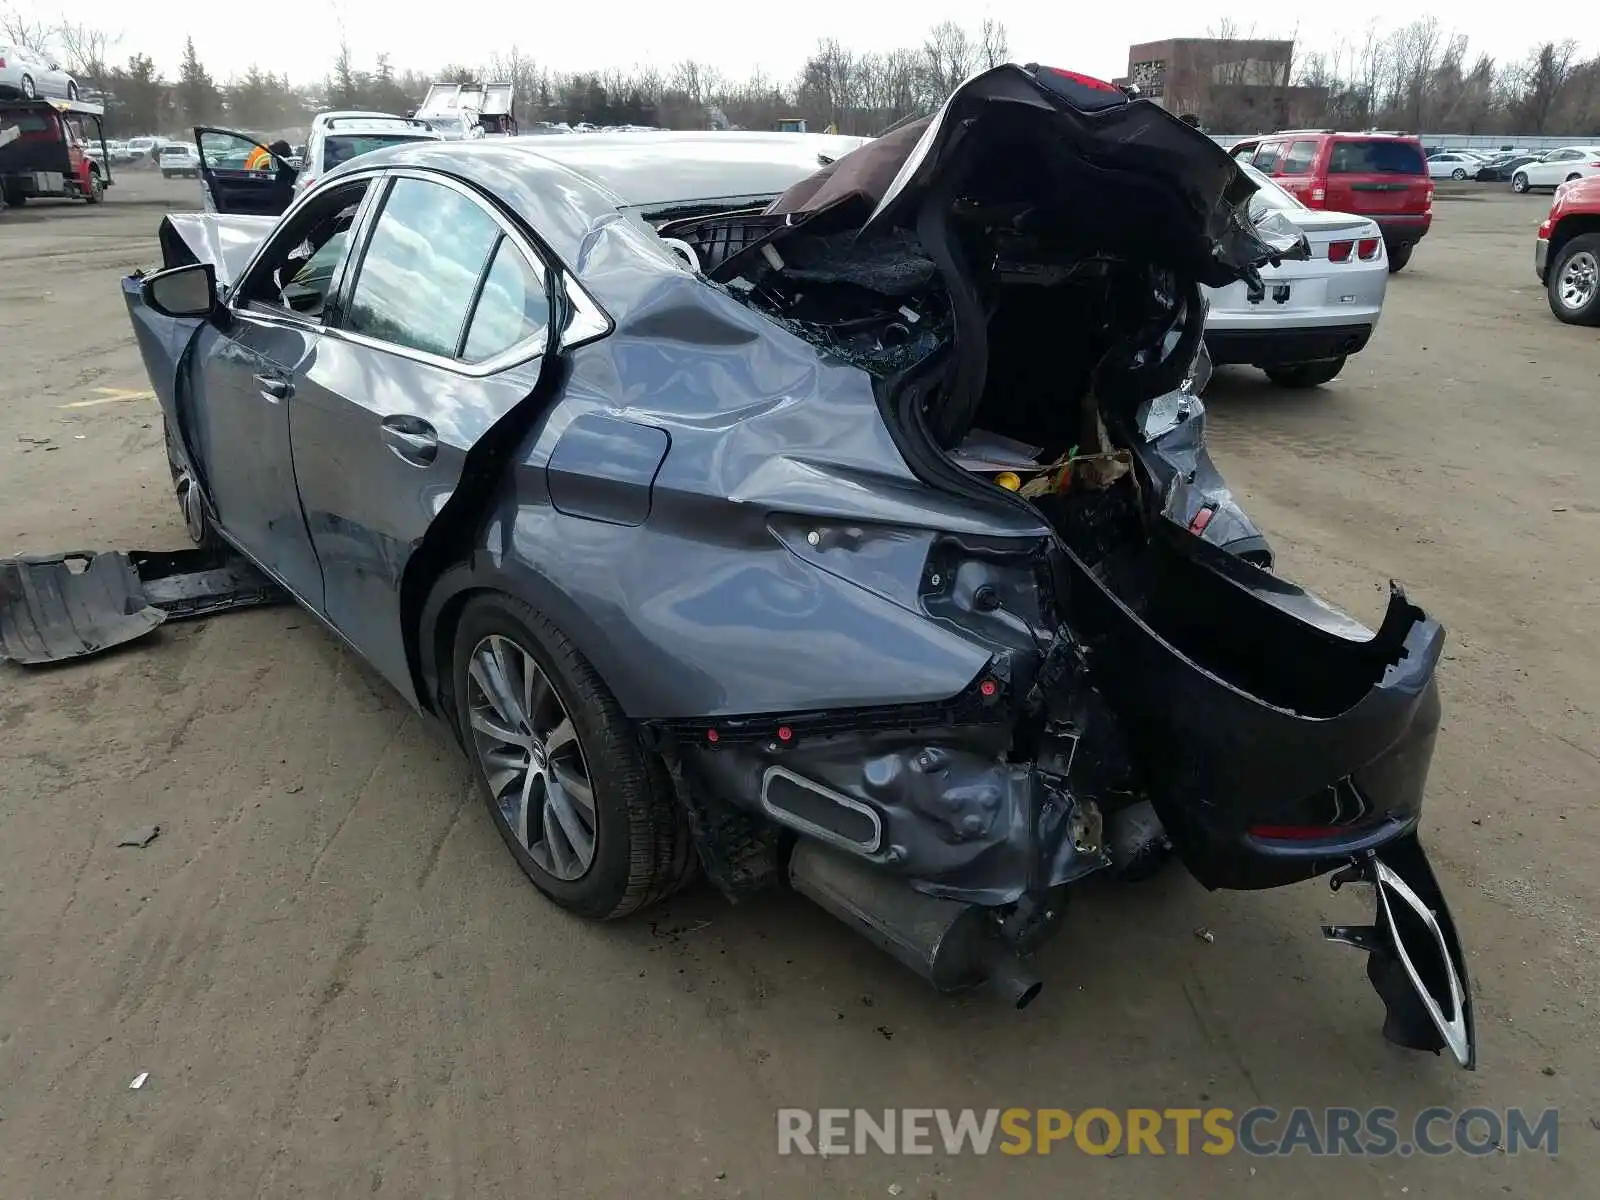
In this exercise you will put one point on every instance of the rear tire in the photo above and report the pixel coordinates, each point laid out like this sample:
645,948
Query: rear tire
1459,174
1399,256
1572,284
641,850
1306,375
97,188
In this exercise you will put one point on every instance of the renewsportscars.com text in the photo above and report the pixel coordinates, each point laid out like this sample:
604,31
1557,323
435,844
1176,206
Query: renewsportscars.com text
1260,1131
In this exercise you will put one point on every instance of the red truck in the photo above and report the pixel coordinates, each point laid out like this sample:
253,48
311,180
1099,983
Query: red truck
52,148
1567,254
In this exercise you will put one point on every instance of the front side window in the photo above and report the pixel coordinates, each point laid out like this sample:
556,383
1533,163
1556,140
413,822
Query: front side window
1266,158
297,272
422,266
1299,159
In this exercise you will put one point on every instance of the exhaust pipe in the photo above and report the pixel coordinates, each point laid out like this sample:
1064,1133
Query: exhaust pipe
954,946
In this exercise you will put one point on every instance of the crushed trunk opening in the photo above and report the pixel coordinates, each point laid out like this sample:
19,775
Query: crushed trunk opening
1019,276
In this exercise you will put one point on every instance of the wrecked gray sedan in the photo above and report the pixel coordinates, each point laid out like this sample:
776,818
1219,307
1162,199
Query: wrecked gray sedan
813,511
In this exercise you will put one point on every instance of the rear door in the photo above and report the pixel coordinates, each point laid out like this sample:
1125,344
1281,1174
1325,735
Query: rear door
1377,177
240,175
1296,167
441,333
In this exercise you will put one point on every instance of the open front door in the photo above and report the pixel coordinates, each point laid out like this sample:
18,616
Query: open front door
239,175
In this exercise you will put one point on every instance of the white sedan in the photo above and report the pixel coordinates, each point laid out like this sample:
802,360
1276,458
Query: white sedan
1311,315
1453,164
1557,167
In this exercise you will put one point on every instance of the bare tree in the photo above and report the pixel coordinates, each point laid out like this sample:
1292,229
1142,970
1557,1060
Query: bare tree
994,47
1544,78
19,30
1413,57
85,50
949,58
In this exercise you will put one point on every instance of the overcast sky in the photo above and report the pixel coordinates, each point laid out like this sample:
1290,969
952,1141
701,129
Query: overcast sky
301,37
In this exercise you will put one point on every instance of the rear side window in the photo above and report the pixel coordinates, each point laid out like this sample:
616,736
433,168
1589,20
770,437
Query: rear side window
421,269
1299,159
1377,157
512,309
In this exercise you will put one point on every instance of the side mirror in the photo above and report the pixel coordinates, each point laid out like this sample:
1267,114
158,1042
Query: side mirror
186,291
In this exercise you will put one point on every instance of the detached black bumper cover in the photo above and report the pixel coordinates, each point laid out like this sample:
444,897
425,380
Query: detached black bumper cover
73,605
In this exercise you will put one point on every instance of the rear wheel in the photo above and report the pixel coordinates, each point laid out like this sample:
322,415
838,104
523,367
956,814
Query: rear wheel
1519,182
1458,174
589,815
1399,256
1306,375
1573,281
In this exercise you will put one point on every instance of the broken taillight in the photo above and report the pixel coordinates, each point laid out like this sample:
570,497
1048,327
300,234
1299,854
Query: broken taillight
1340,251
1367,247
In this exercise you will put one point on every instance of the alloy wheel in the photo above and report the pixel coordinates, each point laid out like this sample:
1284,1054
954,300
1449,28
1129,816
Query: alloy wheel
532,758
189,500
1580,280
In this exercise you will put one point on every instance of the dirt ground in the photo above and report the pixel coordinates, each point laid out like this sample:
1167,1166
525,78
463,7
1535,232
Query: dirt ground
340,984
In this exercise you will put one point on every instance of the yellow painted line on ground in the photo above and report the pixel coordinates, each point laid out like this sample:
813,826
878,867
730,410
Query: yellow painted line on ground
111,396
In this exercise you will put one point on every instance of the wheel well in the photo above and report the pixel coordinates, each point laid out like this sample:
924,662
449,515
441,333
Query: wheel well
457,524
1570,227
444,639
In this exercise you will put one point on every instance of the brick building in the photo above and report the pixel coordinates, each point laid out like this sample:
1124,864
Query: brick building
1240,85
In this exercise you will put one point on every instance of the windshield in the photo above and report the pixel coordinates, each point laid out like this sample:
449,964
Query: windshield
1377,157
345,146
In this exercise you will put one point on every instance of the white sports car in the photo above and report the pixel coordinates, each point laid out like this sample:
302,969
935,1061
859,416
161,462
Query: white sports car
1311,315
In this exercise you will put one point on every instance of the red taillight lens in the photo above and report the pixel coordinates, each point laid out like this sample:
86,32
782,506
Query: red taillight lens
1544,229
1340,251
1367,247
1318,195
1297,833
2,62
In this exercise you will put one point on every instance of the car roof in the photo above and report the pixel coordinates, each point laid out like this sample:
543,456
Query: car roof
561,185
392,125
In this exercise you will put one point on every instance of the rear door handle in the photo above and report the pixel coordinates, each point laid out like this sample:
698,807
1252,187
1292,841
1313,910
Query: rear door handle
412,438
274,387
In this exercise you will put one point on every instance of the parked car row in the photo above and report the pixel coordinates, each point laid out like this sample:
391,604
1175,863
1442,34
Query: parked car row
1524,170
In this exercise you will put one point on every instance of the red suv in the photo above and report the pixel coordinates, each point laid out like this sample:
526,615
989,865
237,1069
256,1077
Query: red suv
1379,175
